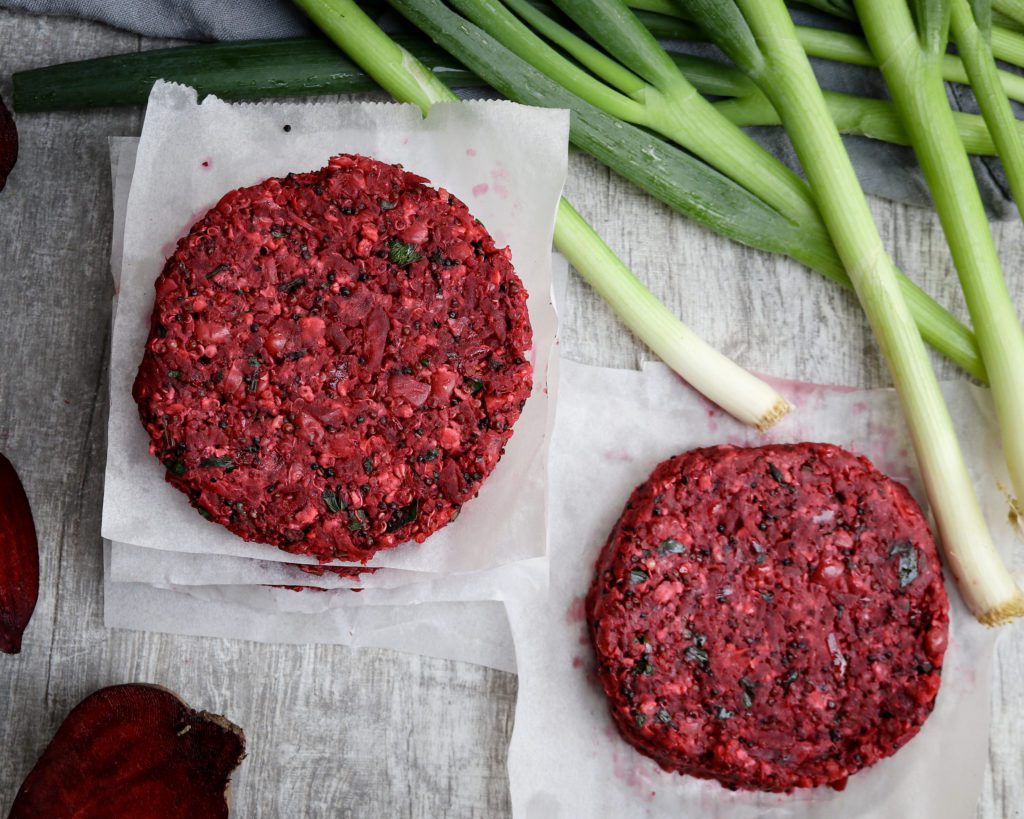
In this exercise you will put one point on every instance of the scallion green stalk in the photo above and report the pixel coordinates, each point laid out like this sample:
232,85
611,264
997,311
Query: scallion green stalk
663,171
1001,20
255,69
851,49
394,68
684,351
971,26
666,7
860,116
1012,9
1007,46
759,37
248,69
909,47
737,391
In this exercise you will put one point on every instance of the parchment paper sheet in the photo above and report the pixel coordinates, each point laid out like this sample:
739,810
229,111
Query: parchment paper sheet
160,567
473,632
168,569
506,161
225,596
566,759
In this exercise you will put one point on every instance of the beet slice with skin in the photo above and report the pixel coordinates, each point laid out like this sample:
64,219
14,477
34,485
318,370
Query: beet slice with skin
8,144
19,560
134,751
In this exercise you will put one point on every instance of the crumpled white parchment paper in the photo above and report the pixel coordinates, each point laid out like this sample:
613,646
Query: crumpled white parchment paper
614,426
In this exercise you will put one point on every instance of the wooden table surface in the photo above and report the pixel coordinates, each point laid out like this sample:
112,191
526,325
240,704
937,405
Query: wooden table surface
335,731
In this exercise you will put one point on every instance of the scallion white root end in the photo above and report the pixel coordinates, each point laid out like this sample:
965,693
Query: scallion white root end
775,414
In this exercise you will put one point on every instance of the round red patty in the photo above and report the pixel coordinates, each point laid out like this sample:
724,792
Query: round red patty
335,360
773,618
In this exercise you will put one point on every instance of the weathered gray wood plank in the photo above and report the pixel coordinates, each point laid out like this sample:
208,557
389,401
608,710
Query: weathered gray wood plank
336,732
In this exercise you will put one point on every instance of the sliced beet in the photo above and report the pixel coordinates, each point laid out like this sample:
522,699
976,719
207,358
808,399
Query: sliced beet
19,560
134,752
8,144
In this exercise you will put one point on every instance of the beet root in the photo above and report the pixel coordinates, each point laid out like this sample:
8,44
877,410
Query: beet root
134,751
8,144
19,559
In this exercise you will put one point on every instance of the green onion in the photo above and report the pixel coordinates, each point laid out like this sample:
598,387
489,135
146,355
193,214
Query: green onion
861,116
972,28
734,389
840,8
909,47
1007,45
1007,23
701,365
758,36
1011,9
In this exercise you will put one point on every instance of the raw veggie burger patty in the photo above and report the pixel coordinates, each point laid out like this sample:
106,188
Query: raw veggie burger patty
773,618
335,360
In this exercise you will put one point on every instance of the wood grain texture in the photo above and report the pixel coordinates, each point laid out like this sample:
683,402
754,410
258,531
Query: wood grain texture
334,731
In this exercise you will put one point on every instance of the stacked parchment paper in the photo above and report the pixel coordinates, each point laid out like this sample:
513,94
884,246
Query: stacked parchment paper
544,507
169,569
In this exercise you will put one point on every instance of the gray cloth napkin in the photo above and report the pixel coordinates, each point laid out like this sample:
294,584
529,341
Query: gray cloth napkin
885,170
183,19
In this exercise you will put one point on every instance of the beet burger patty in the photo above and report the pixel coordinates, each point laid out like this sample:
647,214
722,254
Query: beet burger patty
773,618
335,360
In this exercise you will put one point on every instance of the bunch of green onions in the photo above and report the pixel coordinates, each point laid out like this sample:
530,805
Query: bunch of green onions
311,66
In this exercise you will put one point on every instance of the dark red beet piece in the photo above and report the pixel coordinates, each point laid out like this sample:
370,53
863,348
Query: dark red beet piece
134,752
19,560
8,144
